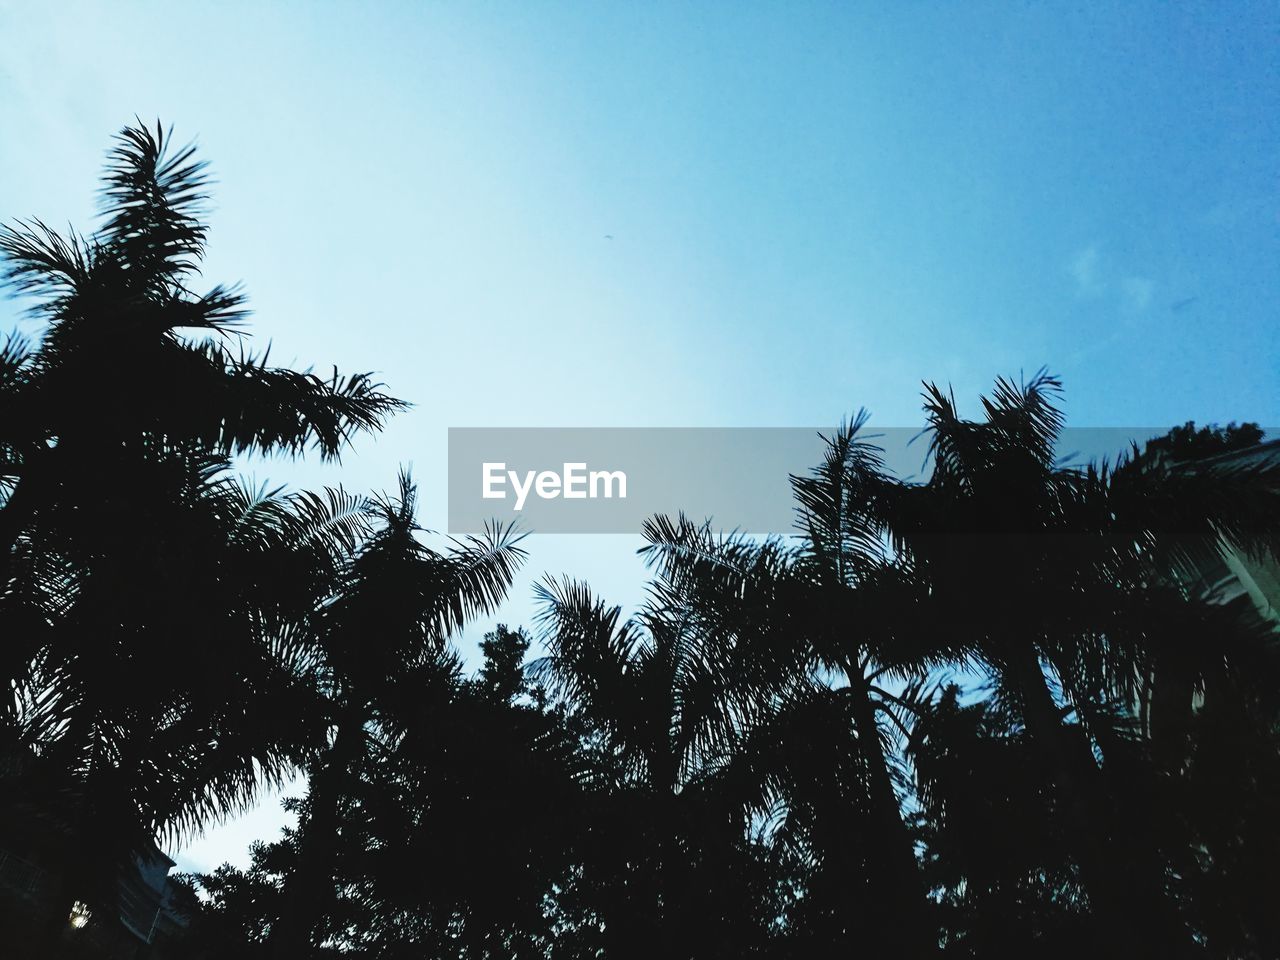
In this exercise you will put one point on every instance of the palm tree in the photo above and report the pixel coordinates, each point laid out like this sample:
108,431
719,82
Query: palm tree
166,690
131,358
149,603
394,606
459,827
995,850
835,616
668,866
1068,585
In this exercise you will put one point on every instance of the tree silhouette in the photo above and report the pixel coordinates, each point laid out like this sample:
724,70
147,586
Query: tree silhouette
454,825
1012,708
395,604
669,865
146,596
1093,567
809,626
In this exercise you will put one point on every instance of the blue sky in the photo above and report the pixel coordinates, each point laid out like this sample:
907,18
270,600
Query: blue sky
812,207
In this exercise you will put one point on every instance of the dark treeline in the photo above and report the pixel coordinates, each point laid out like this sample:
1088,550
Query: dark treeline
1005,711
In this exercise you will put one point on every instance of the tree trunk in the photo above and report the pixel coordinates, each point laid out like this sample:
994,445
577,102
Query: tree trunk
909,924
1172,695
309,889
1134,915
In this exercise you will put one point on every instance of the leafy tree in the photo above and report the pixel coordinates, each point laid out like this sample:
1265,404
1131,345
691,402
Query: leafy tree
147,600
1003,710
830,659
1186,443
1067,584
669,865
376,643
455,827
132,361
502,675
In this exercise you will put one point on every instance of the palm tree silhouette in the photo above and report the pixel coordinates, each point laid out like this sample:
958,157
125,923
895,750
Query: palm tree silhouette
147,598
1001,710
394,606
161,693
1067,585
828,650
668,867
132,359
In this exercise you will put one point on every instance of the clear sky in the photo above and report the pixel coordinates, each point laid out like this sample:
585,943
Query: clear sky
811,207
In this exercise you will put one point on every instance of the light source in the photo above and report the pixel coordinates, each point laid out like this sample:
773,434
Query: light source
80,914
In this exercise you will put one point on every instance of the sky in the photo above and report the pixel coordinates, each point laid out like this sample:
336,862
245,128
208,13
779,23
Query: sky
694,214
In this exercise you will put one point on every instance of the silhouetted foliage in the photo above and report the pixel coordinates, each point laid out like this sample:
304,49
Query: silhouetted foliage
1015,708
502,675
1186,443
149,601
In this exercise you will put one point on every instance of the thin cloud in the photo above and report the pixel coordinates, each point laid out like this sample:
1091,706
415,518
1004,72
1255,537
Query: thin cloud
1094,281
1084,269
1136,293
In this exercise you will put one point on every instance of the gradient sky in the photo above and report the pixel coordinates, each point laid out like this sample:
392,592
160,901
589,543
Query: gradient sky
812,208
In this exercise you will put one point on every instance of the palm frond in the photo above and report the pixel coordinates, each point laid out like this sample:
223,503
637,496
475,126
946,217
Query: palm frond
475,576
153,200
840,504
40,262
264,408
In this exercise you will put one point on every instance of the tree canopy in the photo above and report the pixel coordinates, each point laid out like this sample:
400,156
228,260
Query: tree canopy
1000,710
